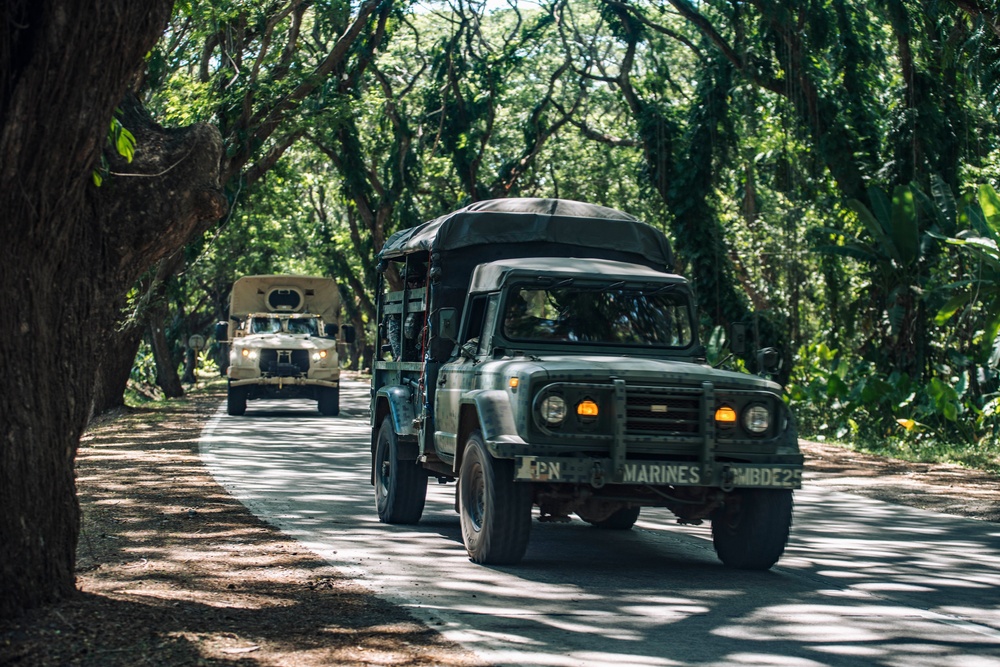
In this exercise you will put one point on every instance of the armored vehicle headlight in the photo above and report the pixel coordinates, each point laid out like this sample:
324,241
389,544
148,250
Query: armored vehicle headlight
249,354
553,409
756,419
319,354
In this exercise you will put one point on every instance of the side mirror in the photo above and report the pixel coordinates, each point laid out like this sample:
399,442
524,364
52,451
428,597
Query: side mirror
447,323
222,331
738,338
768,360
330,330
348,331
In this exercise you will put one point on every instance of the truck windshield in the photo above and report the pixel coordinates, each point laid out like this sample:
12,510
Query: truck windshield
303,325
613,315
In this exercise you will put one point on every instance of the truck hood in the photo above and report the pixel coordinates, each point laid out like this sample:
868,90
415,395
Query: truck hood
635,370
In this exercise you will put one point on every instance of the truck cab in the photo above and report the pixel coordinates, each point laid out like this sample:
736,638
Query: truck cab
563,371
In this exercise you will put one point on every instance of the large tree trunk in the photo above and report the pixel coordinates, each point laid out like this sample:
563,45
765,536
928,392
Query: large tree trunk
167,378
71,250
114,373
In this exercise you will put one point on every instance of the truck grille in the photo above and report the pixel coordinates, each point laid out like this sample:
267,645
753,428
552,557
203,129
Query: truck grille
654,413
284,363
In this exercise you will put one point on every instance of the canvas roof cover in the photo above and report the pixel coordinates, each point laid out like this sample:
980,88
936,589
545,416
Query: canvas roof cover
563,221
321,295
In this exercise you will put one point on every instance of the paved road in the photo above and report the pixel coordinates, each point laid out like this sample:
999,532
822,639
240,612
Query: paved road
861,583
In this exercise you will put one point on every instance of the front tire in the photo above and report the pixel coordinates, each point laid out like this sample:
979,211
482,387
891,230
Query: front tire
750,531
236,401
400,485
328,401
495,510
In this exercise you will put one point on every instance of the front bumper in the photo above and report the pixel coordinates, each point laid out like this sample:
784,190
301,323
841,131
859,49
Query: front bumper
598,472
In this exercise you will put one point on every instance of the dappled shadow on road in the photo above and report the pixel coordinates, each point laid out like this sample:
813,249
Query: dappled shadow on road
861,582
174,571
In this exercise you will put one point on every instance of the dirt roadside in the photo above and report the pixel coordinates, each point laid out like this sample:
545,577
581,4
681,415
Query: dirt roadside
173,571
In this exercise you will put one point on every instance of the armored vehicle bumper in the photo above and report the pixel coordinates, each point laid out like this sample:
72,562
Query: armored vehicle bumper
280,382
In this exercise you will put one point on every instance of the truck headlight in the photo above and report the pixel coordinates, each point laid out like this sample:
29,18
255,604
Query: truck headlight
553,409
249,354
319,355
756,419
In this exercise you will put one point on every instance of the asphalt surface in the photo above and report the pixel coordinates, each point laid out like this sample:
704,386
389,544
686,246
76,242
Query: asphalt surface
861,583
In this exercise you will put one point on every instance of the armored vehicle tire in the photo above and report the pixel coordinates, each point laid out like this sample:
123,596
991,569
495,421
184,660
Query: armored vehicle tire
400,486
328,401
236,401
622,519
495,510
751,533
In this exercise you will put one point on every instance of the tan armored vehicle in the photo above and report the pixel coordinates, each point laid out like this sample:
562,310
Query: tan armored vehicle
284,341
542,354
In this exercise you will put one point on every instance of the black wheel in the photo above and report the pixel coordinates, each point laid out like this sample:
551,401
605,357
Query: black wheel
750,531
622,519
236,401
328,401
495,510
400,486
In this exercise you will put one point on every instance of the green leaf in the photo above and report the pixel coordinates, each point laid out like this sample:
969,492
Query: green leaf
881,208
946,210
125,144
905,226
951,307
989,202
992,328
836,387
875,229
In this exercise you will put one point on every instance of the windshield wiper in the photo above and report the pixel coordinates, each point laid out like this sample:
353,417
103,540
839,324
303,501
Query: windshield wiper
661,289
546,280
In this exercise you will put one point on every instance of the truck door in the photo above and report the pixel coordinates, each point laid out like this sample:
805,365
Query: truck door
459,376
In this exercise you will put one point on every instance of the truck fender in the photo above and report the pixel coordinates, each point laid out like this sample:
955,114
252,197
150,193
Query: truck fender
399,401
494,415
395,401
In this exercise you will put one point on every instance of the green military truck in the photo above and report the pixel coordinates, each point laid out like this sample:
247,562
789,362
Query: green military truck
541,353
284,341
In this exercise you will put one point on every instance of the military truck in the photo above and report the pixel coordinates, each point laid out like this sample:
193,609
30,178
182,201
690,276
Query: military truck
284,341
542,353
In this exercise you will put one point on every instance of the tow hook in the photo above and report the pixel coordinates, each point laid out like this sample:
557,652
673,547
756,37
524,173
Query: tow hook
727,478
597,476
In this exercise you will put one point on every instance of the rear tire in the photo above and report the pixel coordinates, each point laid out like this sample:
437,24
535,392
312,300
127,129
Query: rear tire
328,401
750,531
400,486
495,510
236,401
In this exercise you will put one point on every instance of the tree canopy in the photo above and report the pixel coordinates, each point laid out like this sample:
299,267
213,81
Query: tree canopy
826,171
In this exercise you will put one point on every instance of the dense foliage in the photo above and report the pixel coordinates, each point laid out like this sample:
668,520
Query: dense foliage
825,170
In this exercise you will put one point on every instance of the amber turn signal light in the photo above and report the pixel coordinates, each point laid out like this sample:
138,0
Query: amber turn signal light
726,415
